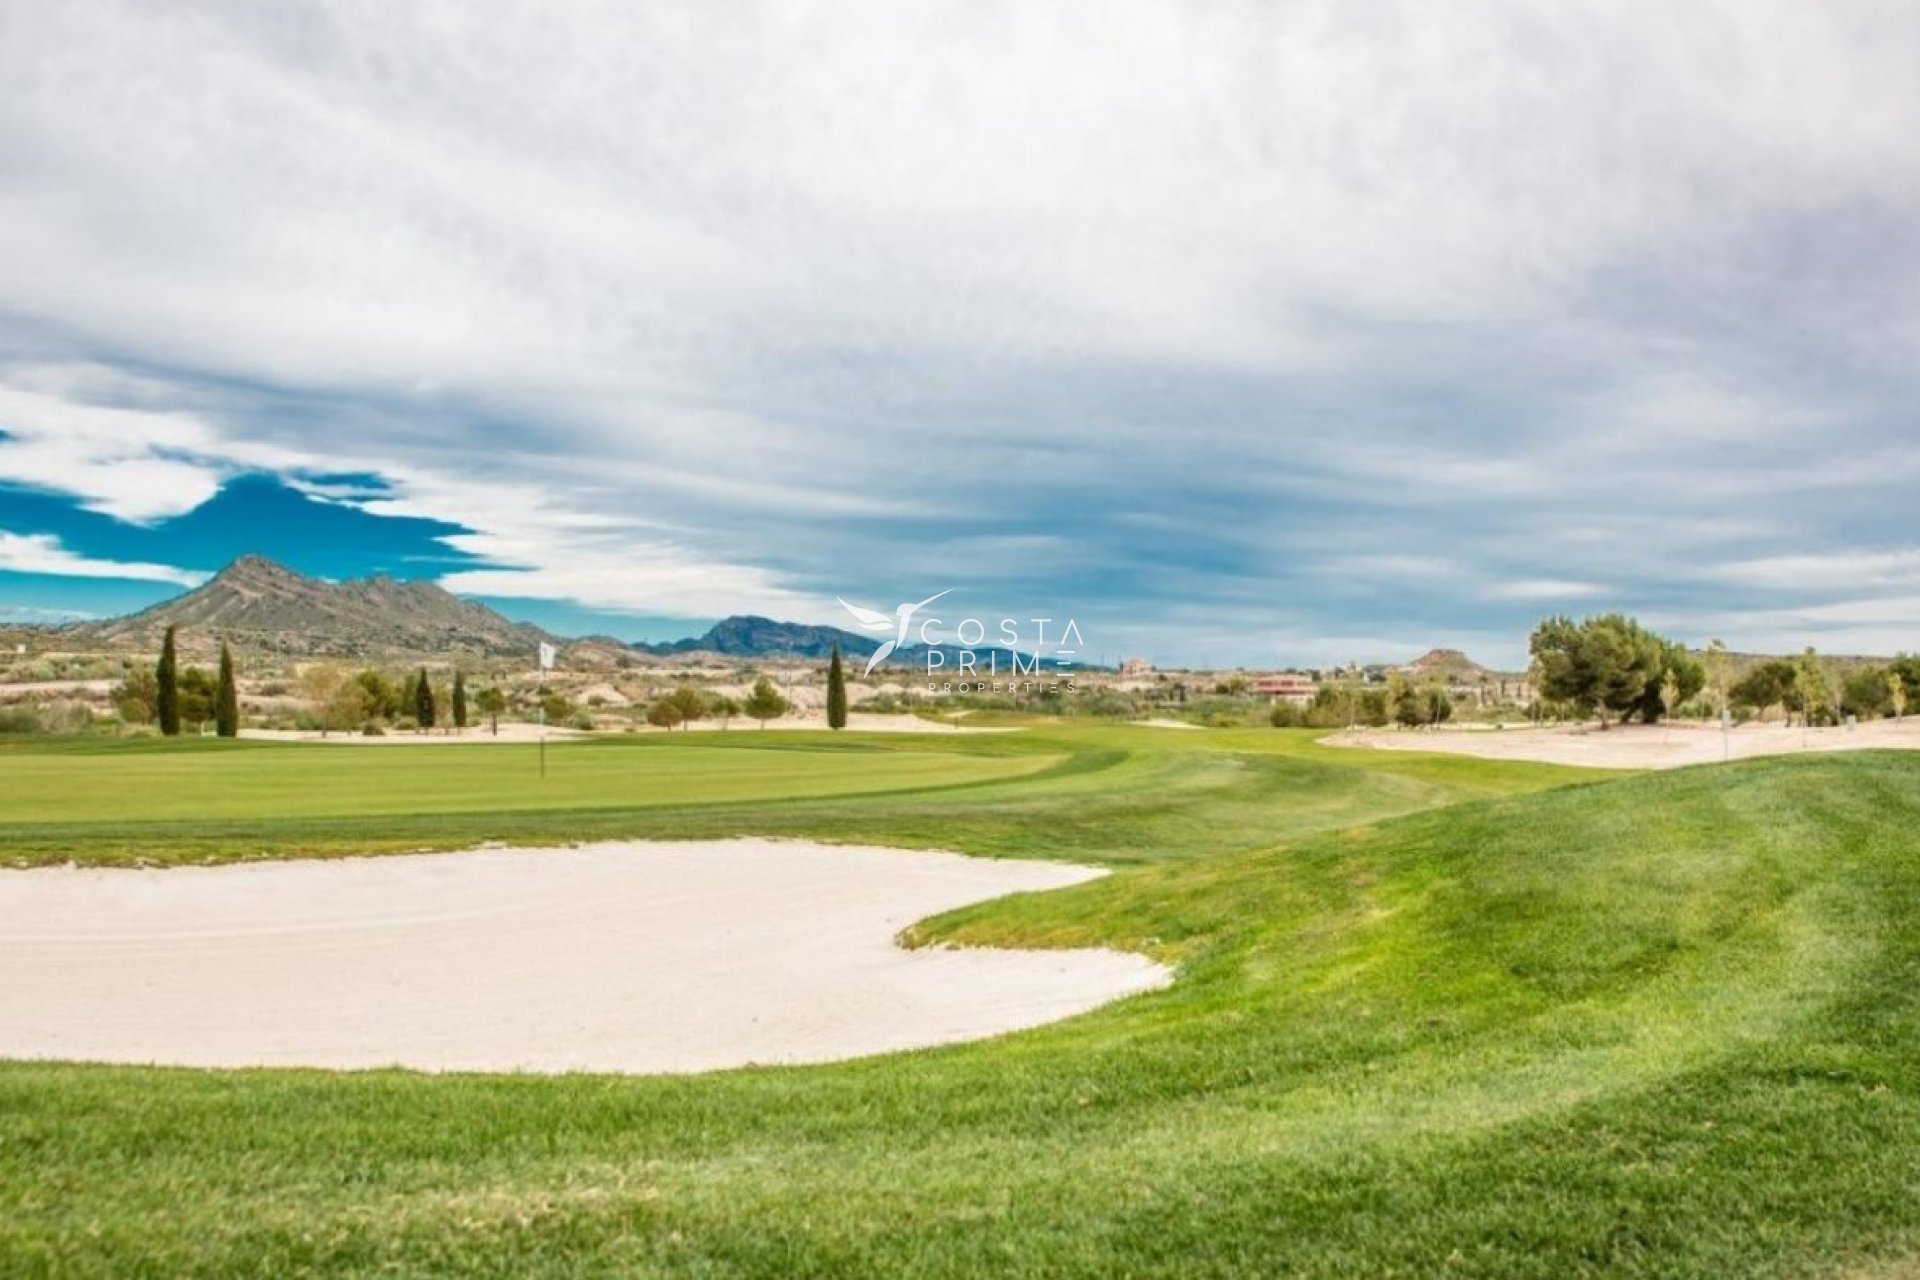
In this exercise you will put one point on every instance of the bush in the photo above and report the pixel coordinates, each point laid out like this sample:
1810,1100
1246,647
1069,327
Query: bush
1110,703
46,718
19,720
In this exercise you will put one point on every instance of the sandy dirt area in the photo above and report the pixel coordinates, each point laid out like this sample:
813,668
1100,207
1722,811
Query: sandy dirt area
509,732
517,732
55,688
863,721
628,957
1638,746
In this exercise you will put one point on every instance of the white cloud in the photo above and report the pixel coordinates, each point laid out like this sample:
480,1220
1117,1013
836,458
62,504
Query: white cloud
542,548
38,616
140,465
43,553
133,464
691,309
1852,571
1545,590
1184,182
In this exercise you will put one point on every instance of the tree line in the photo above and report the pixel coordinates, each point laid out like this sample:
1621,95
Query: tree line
1805,687
687,704
173,697
1613,666
183,699
364,700
1410,704
177,698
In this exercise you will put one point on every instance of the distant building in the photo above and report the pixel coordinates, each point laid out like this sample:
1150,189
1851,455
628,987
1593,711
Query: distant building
1287,687
1135,668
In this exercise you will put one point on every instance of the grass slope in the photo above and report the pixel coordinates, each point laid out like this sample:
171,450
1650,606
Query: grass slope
1114,795
1657,1025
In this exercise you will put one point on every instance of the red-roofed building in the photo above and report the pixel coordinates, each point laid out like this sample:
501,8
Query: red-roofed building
1287,687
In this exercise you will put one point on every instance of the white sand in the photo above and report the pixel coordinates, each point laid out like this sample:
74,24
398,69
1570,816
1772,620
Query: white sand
635,957
1663,746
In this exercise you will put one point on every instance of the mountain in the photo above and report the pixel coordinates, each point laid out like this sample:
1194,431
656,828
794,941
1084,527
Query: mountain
1450,665
264,606
745,636
267,608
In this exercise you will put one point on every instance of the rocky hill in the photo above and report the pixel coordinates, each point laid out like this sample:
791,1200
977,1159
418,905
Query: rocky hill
266,608
745,636
263,606
1450,665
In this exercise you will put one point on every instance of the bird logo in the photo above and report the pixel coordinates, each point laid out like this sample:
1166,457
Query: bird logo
874,620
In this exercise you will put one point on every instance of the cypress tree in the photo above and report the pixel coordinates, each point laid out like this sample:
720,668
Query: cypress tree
167,676
226,701
836,692
423,701
459,699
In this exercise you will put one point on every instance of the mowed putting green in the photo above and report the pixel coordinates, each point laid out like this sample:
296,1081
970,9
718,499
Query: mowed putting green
1112,795
142,783
1431,1018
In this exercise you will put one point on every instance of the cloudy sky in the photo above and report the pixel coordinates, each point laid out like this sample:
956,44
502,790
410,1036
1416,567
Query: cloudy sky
1257,333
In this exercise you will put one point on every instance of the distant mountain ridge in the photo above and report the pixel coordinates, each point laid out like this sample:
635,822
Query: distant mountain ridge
263,605
749,636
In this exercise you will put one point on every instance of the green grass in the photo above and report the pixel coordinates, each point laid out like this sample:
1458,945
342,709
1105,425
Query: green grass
1115,796
1434,1017
138,782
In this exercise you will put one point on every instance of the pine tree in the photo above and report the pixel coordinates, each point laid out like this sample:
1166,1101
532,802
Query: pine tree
167,676
836,692
423,700
226,702
491,703
765,702
459,699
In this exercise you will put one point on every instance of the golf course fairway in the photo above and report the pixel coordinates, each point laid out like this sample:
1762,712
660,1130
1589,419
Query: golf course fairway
1432,1016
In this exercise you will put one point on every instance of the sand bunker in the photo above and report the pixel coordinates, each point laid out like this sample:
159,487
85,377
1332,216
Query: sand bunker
1663,746
634,957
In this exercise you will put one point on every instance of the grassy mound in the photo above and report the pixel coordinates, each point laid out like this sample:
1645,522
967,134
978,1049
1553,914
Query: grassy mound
1660,1025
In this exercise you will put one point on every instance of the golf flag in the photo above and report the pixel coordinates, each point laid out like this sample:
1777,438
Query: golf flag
547,655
